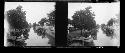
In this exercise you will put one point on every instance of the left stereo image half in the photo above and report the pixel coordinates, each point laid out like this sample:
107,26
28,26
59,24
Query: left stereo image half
29,24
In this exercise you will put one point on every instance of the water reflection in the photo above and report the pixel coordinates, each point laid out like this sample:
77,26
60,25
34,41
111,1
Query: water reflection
103,40
35,40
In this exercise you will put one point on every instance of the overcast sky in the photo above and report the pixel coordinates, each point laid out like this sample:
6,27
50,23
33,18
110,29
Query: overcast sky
38,10
35,10
103,11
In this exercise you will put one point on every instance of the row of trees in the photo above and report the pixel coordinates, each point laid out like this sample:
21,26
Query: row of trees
108,28
50,21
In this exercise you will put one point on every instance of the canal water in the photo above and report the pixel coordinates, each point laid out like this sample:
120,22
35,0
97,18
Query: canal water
103,40
35,40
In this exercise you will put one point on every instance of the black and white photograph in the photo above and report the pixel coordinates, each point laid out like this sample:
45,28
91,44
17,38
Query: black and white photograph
29,24
63,24
93,24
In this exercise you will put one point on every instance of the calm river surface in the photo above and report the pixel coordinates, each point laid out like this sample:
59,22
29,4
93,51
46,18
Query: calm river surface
35,40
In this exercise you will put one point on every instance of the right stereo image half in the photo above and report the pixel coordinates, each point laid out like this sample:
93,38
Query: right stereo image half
93,24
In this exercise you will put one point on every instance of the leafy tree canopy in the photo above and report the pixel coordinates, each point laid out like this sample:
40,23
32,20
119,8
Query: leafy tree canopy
43,20
83,19
17,18
51,19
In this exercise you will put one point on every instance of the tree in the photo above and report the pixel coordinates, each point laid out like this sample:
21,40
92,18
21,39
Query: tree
17,18
69,21
17,21
69,26
110,22
51,19
107,28
51,16
83,19
50,22
42,21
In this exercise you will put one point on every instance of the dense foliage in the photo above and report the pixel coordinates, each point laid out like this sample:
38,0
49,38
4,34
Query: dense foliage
83,25
83,19
17,18
18,26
